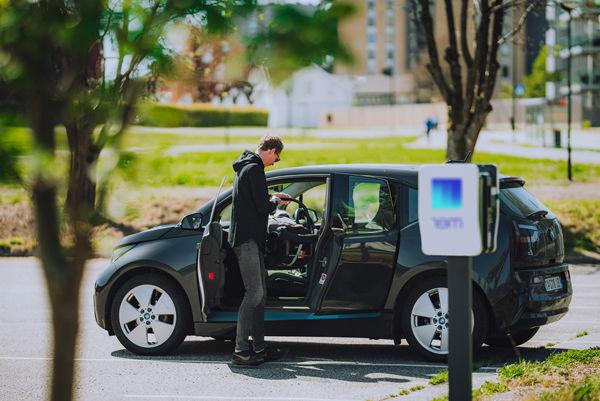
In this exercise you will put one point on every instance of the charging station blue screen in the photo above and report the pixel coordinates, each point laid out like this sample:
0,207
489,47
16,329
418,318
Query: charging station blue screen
446,193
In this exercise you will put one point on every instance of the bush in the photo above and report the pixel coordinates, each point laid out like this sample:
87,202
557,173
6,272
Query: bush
199,115
11,116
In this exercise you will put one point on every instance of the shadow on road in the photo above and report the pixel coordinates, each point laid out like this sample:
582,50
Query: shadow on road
365,363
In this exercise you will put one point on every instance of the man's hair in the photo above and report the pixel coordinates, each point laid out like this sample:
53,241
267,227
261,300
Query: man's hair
271,142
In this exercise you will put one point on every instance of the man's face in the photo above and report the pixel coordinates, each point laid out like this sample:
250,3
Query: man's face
272,157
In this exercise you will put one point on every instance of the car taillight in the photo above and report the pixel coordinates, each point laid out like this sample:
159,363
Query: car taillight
211,275
525,237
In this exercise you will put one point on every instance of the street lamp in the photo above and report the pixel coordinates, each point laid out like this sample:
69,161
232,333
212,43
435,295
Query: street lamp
569,6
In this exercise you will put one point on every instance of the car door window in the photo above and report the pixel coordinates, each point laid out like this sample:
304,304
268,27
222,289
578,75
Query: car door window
413,205
225,215
363,205
311,193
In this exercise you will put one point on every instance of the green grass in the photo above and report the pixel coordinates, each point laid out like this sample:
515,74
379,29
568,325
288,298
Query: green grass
581,334
585,390
489,388
581,222
559,367
439,378
550,344
406,391
153,168
206,168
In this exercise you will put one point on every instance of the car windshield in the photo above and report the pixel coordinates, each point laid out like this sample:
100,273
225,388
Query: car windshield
521,203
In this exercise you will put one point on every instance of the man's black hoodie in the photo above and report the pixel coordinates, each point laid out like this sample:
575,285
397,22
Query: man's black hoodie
251,204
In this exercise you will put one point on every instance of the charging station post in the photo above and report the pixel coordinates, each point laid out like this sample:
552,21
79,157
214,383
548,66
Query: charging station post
458,219
460,344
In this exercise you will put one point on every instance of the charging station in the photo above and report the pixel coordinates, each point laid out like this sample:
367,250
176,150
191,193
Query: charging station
458,218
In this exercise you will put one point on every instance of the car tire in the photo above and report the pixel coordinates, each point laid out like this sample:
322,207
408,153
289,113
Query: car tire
155,324
519,337
424,319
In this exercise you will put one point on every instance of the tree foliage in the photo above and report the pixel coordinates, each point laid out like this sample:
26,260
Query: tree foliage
535,83
53,58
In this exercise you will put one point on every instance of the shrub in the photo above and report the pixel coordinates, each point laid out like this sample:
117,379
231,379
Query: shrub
199,115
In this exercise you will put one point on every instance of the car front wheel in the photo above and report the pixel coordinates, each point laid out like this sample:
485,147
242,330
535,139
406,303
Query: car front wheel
149,315
425,319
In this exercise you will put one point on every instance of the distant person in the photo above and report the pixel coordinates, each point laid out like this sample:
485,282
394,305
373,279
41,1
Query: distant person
247,236
429,124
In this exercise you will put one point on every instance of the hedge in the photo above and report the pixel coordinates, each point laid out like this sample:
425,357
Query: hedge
200,115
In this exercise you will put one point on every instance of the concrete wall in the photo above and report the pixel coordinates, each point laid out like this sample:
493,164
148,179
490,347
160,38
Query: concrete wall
414,115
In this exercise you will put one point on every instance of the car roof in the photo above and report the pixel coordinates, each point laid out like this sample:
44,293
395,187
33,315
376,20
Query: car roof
376,169
356,168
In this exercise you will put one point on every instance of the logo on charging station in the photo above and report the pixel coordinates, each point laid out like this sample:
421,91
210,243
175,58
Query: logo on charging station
446,193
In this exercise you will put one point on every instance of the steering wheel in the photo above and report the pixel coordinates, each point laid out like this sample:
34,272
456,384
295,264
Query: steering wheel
310,225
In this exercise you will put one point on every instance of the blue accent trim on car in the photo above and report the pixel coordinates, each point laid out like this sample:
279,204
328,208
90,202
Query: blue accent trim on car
278,315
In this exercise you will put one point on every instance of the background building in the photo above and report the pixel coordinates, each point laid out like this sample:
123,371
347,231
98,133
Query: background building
385,40
584,53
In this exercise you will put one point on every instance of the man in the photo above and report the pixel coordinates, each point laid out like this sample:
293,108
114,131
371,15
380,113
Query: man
247,236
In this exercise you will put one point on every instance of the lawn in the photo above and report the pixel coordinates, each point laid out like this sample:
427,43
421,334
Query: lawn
152,167
572,375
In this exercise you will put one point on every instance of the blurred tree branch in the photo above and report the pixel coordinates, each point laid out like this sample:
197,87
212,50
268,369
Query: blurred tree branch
52,53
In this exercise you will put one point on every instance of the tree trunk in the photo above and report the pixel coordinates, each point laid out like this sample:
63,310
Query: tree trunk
456,144
64,297
463,131
456,148
63,273
81,192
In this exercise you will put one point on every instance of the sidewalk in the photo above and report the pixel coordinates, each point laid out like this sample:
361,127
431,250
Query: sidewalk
498,142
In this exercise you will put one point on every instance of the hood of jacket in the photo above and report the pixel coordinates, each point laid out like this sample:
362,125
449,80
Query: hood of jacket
246,158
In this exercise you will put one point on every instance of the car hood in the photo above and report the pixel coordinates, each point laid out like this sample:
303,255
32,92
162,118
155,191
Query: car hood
147,235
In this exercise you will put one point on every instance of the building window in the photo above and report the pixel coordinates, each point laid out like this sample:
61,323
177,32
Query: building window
371,38
505,71
371,66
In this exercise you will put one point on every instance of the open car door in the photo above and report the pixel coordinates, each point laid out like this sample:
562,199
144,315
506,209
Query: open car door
355,256
210,264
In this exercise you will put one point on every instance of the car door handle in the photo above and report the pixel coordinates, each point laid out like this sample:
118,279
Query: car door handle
323,261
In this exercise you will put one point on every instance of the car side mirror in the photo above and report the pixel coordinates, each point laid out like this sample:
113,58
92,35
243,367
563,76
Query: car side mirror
192,221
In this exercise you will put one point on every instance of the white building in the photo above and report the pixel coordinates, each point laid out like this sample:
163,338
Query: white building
302,99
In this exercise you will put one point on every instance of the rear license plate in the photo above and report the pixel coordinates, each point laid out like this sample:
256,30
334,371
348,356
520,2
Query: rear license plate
553,283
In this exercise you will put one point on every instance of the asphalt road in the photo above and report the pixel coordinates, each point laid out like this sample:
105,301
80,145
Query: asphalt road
328,369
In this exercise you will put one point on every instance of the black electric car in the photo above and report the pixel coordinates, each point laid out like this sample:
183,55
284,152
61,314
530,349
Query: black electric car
343,259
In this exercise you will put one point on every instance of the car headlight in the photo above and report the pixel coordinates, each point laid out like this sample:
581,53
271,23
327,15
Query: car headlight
120,251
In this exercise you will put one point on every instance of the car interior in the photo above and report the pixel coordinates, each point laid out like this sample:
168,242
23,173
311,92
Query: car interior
293,230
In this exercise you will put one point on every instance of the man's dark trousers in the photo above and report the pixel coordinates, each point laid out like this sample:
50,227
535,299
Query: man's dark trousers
252,310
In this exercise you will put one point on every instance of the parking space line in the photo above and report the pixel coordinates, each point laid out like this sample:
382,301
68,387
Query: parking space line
203,397
224,362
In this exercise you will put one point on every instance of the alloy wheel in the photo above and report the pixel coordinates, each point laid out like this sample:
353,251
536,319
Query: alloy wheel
147,316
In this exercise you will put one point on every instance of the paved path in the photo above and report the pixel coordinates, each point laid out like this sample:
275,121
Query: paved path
324,369
501,143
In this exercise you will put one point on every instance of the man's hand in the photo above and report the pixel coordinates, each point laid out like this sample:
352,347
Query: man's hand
280,195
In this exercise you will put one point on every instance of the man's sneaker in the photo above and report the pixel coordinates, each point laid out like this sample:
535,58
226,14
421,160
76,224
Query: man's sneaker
272,354
246,358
